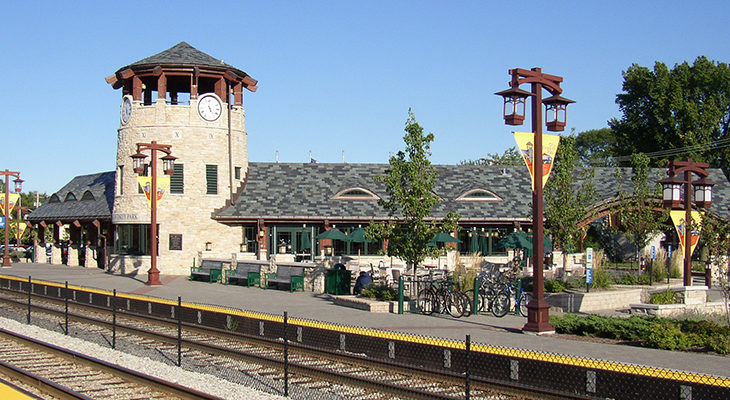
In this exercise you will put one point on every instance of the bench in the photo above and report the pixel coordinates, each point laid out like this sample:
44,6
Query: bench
209,270
287,275
245,271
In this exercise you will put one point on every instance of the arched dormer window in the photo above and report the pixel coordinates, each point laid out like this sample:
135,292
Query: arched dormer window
54,199
70,197
355,193
87,196
478,195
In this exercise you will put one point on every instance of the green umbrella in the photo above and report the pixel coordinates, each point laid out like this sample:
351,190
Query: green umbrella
515,240
444,237
358,236
474,243
483,246
306,243
333,234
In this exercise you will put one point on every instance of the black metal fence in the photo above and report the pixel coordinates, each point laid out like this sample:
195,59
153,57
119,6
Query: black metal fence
514,369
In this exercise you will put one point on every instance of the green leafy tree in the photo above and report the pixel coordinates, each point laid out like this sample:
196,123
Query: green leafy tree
566,202
595,146
409,184
687,106
641,213
509,157
715,237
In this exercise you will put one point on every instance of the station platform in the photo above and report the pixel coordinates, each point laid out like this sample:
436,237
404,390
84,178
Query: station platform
484,329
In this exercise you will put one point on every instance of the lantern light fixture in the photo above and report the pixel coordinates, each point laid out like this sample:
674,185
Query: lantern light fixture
18,185
168,164
671,191
556,108
703,192
138,162
514,105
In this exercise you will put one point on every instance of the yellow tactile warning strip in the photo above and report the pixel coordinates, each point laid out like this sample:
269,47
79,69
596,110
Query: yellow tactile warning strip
454,344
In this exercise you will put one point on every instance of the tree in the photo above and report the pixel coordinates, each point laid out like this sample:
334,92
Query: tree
595,146
687,106
566,203
715,237
409,184
638,211
509,157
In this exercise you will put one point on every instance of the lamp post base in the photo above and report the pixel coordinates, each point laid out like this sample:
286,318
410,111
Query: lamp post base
153,278
538,318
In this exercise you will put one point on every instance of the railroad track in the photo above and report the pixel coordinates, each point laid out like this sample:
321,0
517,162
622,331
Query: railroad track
65,374
311,372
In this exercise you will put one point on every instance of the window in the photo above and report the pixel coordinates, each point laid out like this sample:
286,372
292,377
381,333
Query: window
250,244
132,239
237,172
54,199
175,241
176,180
70,197
211,179
478,195
120,181
87,196
355,193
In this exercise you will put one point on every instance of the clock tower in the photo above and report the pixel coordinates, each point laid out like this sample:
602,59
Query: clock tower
193,102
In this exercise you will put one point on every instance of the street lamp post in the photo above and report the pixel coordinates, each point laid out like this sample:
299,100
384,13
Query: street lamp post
18,188
514,114
168,163
677,194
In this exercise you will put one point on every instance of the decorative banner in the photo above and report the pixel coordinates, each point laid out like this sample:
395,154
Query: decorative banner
13,198
21,228
550,143
163,185
681,227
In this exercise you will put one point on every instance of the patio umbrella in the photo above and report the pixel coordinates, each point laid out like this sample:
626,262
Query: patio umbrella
333,234
483,246
515,240
306,243
444,237
358,236
474,243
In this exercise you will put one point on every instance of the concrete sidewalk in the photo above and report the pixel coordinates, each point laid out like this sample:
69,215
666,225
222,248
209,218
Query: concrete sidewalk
486,329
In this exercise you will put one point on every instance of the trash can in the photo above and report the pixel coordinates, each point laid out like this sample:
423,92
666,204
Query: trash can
337,281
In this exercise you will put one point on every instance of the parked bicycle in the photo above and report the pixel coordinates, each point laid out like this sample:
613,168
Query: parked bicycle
441,296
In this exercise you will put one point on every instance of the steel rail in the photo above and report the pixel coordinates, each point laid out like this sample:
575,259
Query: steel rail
143,379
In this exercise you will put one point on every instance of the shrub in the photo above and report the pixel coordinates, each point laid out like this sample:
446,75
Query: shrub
666,297
380,292
629,279
554,286
464,277
667,336
675,271
575,282
601,279
719,344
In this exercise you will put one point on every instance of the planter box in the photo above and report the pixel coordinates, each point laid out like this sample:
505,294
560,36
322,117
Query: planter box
595,301
671,310
362,303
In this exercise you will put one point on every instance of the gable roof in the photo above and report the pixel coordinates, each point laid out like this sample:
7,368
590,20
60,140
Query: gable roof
301,191
101,187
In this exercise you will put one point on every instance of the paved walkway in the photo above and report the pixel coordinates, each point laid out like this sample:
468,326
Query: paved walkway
484,329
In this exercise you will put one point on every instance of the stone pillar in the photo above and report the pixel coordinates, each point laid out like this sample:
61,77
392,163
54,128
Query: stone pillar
89,261
73,255
56,254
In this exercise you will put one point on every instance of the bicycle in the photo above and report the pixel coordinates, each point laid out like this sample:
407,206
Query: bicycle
439,296
503,302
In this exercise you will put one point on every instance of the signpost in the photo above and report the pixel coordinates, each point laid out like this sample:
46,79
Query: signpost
651,266
669,262
589,268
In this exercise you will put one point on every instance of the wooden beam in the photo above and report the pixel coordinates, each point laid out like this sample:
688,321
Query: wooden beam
157,71
117,85
231,76
126,74
111,79
77,224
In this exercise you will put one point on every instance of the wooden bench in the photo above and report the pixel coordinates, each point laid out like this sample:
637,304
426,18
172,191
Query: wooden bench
287,275
209,270
247,271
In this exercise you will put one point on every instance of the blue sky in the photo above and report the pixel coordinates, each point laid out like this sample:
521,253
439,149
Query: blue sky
333,76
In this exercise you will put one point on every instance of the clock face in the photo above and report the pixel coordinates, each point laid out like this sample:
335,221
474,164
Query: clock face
209,108
126,110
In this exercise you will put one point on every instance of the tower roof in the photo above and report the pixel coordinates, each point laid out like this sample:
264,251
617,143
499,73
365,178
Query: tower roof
183,54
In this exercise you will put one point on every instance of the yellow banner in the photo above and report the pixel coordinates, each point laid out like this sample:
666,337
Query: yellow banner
13,199
163,185
525,142
681,227
21,228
